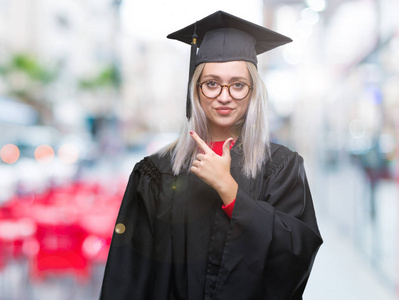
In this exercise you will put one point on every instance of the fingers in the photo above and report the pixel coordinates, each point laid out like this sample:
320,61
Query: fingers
196,163
201,144
199,156
195,167
226,146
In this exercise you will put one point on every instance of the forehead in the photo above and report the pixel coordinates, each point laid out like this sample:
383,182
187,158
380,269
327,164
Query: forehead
226,70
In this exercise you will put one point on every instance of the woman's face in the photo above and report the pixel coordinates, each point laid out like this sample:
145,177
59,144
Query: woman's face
224,111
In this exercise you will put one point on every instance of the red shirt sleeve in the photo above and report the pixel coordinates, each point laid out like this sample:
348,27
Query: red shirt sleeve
228,209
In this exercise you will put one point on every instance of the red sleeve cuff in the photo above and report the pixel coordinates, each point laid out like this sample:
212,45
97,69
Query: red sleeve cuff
228,209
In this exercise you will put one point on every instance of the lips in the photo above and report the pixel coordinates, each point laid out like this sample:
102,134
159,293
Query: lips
224,110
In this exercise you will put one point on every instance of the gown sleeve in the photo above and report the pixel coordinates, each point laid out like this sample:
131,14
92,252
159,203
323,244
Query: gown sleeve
272,241
128,268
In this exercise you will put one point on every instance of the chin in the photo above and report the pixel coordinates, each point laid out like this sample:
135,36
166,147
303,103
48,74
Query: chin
224,125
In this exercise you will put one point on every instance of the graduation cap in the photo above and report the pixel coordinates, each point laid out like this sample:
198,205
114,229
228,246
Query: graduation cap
222,37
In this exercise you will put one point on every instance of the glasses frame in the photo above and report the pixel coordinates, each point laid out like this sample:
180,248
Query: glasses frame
250,87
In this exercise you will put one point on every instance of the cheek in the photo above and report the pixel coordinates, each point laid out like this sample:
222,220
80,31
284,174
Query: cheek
244,106
200,97
203,103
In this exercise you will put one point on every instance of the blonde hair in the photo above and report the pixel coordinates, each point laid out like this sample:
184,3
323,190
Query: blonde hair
253,129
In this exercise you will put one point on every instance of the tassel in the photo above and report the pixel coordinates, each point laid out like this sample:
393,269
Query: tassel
193,55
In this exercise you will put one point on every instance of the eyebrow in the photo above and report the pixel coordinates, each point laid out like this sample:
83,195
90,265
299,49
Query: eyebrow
232,79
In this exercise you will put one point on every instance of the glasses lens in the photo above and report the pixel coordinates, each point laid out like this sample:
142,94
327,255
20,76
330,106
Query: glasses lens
239,90
211,89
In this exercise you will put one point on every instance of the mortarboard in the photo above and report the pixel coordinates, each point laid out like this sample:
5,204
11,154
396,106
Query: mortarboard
222,37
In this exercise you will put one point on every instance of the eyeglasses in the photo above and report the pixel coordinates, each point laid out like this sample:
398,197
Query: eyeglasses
212,89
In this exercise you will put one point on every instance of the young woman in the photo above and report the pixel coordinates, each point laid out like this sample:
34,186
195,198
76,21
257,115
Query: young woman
222,213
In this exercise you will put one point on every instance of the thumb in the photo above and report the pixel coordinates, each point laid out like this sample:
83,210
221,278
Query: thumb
226,147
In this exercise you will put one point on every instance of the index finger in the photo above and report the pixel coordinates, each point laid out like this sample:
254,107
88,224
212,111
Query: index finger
203,146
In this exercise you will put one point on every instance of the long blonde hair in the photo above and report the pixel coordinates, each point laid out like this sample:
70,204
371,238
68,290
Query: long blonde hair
252,129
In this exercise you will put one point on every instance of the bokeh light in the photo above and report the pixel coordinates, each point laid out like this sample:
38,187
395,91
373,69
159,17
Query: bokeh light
310,16
9,153
68,153
317,5
44,154
92,245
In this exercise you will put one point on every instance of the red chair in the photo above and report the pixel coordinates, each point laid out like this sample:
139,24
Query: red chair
60,251
14,233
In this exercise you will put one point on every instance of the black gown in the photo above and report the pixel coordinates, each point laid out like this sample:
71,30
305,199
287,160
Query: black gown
176,242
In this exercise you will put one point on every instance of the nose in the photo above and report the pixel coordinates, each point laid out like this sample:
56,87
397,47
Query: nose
224,96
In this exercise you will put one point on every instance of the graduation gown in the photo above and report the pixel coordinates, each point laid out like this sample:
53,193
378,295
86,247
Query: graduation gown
174,241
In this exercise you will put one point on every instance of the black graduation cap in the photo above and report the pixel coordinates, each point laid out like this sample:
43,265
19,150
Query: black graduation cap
223,37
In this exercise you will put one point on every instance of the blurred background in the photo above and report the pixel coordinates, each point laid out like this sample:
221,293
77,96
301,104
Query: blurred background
87,88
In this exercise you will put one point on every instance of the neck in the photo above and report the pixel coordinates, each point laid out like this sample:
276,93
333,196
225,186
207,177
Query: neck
222,134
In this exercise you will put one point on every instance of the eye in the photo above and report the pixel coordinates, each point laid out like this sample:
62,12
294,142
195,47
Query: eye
212,84
238,85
